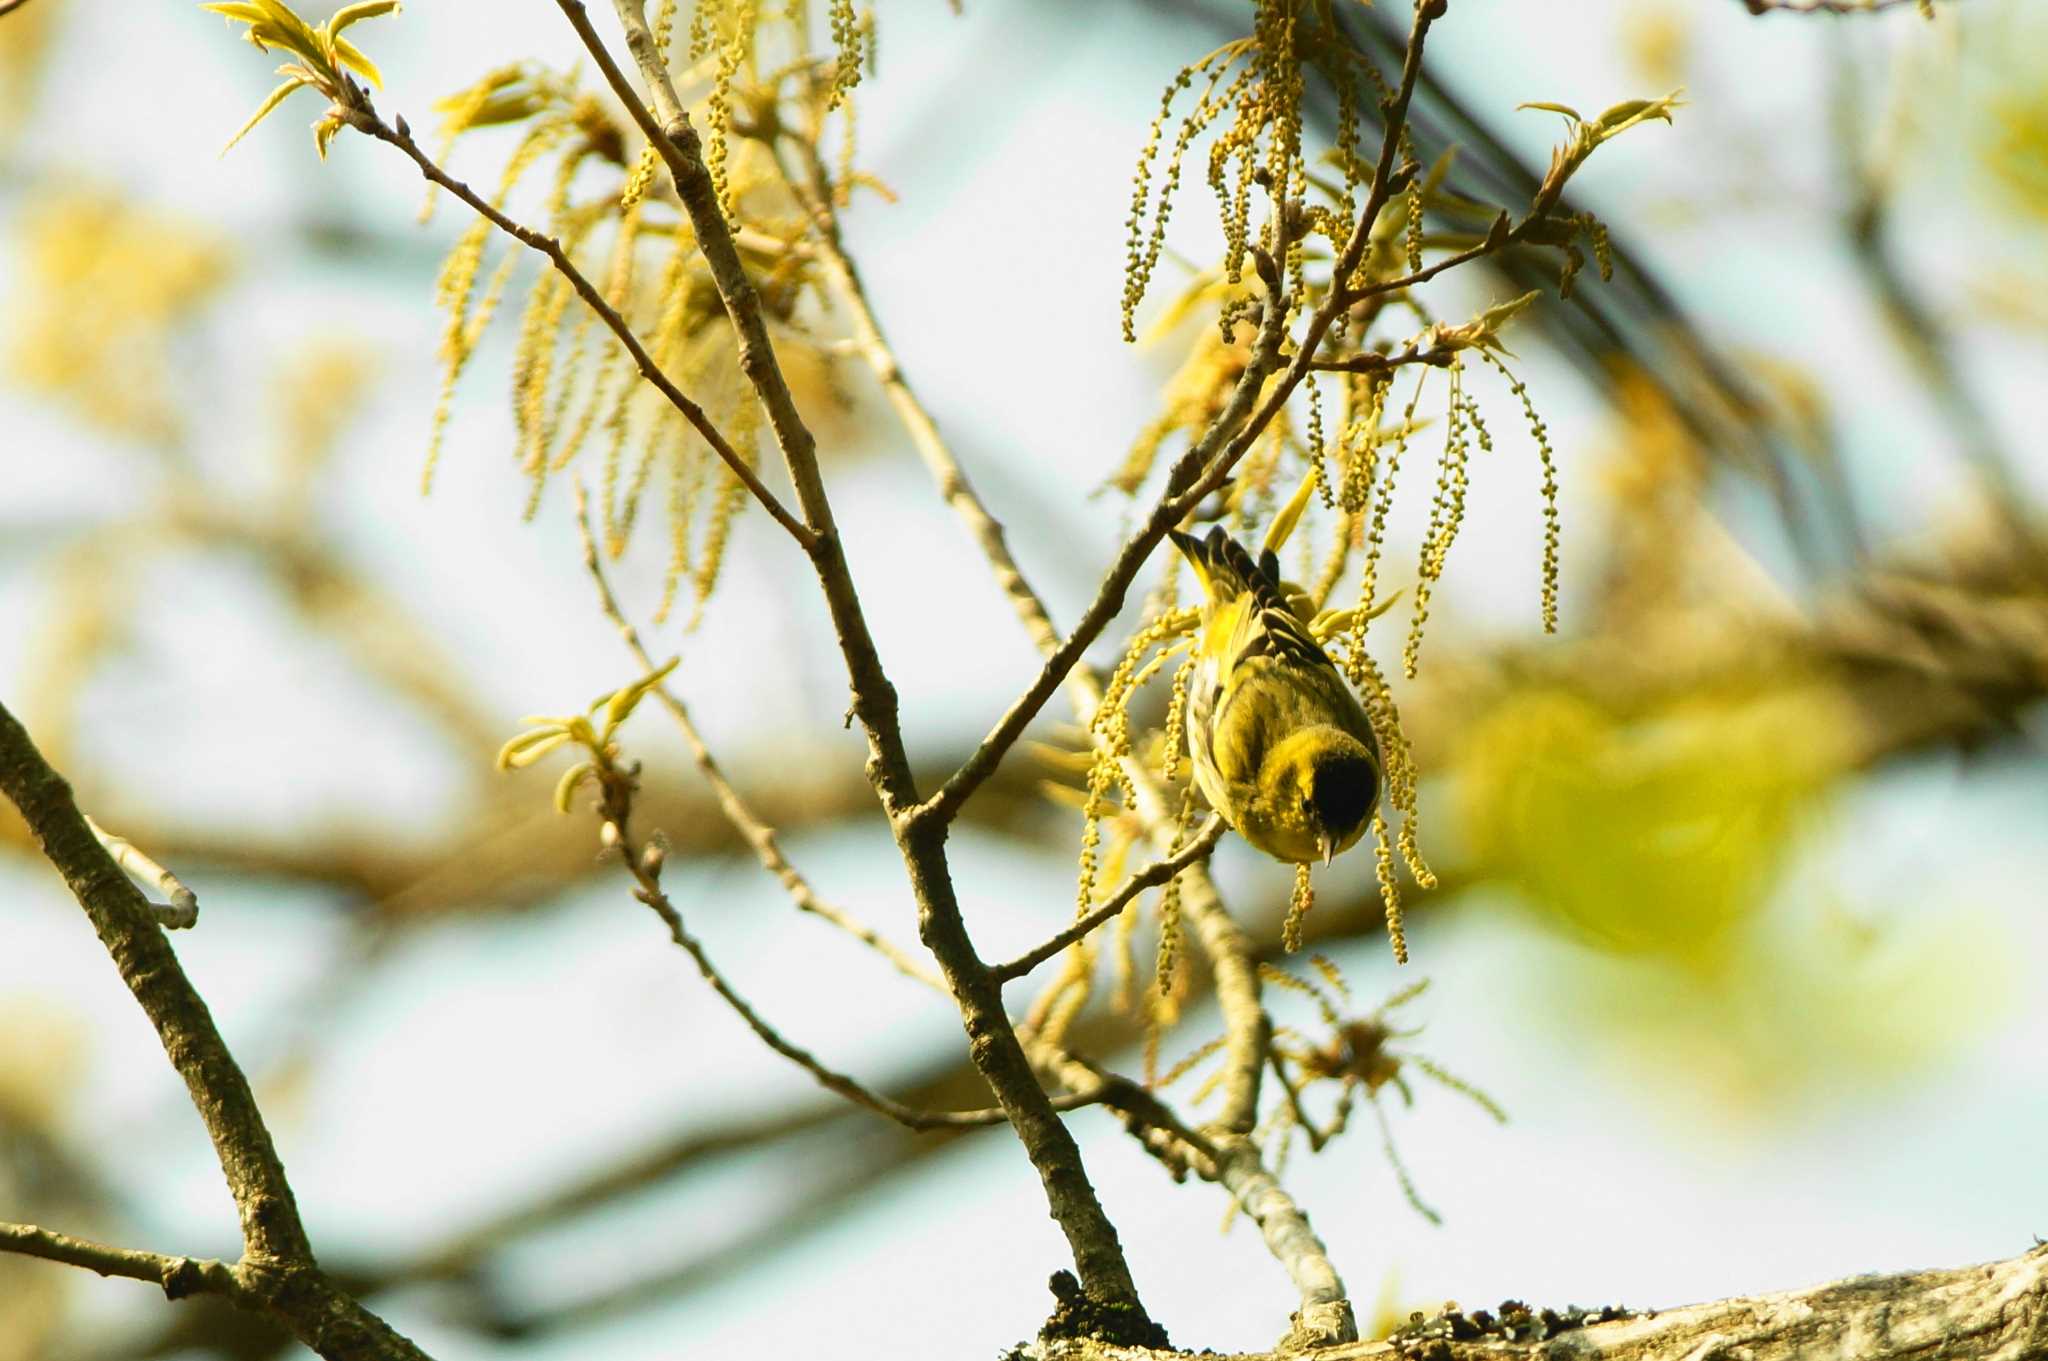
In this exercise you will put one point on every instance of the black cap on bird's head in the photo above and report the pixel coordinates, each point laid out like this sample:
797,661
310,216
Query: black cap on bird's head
1343,785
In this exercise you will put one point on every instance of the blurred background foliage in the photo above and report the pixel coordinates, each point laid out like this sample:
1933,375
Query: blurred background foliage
1749,853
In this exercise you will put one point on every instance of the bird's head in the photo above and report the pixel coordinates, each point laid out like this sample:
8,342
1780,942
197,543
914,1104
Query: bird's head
1328,782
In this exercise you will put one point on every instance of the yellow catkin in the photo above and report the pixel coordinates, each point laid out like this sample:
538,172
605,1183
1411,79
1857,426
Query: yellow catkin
846,43
1101,775
1333,976
1552,533
1169,899
664,27
732,54
1325,578
725,508
1176,718
1414,206
640,179
1390,888
618,428
1125,959
1189,1063
612,366
1060,1017
1298,904
1376,531
1446,513
1142,245
685,484
849,129
456,285
1317,452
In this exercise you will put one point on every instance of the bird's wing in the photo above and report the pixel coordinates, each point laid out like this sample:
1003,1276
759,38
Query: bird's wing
1263,672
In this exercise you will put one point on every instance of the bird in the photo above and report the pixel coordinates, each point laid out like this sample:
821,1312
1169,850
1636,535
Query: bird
1281,748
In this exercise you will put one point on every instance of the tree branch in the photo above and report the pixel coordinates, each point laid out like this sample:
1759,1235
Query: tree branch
755,832
277,1267
1324,1314
1151,876
367,122
178,1276
992,1041
1994,1312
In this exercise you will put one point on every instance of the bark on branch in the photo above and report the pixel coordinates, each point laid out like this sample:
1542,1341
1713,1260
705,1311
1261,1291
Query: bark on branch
277,1272
1994,1312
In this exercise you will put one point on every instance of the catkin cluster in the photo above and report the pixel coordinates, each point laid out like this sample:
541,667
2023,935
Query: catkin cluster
577,394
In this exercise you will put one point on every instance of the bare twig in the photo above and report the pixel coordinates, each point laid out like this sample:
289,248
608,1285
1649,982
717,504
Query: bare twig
1150,877
277,1271
400,136
178,1276
1386,363
756,832
617,810
181,906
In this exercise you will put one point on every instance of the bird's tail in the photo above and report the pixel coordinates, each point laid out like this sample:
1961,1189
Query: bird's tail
1227,571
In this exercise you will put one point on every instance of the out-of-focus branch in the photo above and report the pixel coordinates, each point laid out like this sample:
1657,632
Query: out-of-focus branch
752,829
277,1269
1926,7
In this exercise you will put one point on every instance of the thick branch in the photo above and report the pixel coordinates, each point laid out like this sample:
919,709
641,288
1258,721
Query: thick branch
1247,1026
992,1041
277,1265
672,136
1994,1312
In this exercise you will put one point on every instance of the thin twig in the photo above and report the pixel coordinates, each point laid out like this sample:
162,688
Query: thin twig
1386,363
400,136
617,810
1150,877
757,833
181,908
178,1276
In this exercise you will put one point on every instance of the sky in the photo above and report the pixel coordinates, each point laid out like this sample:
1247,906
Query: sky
480,1062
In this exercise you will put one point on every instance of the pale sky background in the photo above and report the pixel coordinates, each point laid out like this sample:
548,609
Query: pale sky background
487,1061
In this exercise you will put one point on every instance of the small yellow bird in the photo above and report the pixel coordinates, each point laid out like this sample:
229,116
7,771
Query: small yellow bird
1281,747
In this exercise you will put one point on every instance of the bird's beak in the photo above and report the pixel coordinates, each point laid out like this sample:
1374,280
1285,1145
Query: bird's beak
1329,847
